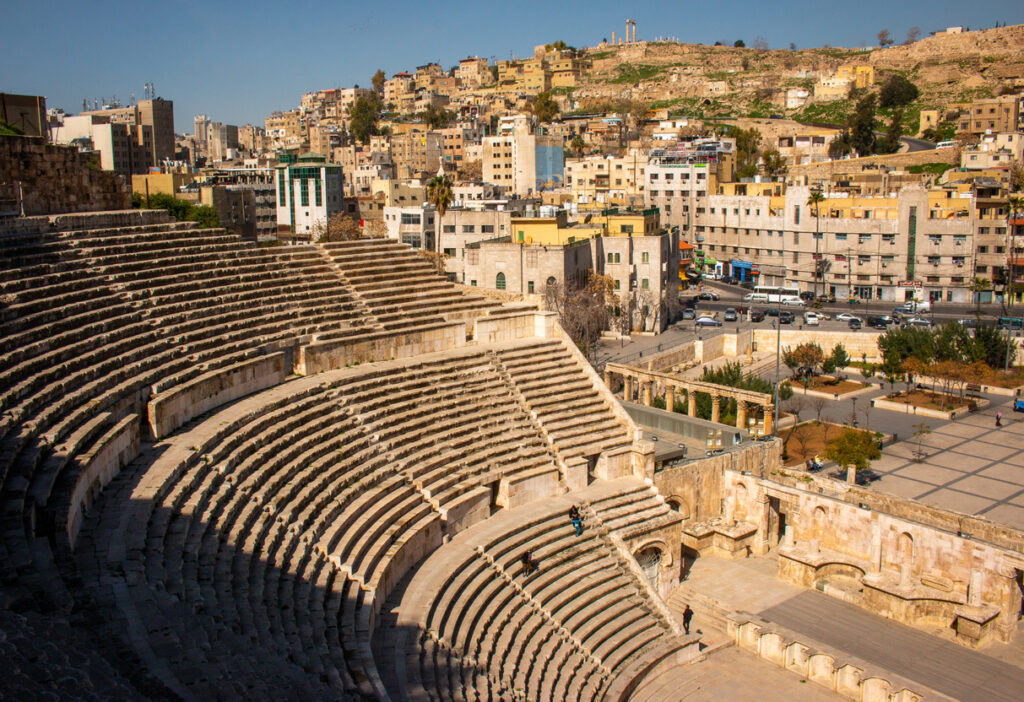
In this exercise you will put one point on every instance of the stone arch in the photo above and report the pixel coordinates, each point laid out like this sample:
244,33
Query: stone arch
905,549
820,518
650,558
499,281
677,503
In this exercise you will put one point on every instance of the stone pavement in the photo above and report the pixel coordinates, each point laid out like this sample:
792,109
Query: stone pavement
856,636
732,674
968,465
941,665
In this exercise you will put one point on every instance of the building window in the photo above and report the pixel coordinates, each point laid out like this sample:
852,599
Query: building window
304,192
449,229
499,281
618,258
468,228
611,258
529,286
449,252
319,195
410,218
618,285
645,284
487,228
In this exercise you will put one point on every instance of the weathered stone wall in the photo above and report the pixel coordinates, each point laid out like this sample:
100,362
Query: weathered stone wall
58,179
169,410
828,169
332,355
857,344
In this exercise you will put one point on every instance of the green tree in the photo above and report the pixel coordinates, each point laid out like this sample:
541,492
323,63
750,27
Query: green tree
839,357
897,91
748,143
840,146
853,449
814,201
891,143
1016,177
363,118
774,163
577,144
884,38
901,344
439,194
863,125
994,346
205,216
544,107
378,82
739,44
437,117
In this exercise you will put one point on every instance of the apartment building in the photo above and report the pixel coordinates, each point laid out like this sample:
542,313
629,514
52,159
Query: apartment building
461,227
116,143
473,72
285,125
544,248
807,147
997,150
26,113
999,114
678,181
309,191
413,225
607,179
522,160
454,141
892,246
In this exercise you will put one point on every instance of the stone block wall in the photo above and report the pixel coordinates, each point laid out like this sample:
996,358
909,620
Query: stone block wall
57,178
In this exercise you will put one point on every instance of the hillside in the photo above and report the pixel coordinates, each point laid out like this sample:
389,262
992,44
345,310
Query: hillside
706,81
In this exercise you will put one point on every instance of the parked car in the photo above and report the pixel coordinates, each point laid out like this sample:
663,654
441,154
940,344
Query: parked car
877,322
707,322
747,285
855,324
968,323
708,295
807,296
793,301
755,297
1018,405
730,315
772,311
916,322
1012,323
786,317
846,317
689,313
756,316
827,299
811,318
741,309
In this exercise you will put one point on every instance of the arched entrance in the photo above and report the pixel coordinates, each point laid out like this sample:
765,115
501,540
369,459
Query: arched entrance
649,561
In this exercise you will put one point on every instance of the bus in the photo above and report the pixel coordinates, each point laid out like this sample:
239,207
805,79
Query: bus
778,293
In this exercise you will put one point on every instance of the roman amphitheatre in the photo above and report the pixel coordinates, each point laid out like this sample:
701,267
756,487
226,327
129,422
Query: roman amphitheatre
312,472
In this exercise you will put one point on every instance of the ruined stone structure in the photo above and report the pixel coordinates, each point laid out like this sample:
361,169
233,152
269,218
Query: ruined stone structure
220,460
41,178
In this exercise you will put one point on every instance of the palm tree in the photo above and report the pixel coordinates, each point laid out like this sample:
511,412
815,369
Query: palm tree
1016,205
577,144
814,200
439,194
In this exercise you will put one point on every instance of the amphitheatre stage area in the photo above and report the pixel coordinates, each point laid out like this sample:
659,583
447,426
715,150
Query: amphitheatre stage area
322,472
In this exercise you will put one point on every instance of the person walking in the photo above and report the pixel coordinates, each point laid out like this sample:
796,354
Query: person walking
576,519
687,617
999,418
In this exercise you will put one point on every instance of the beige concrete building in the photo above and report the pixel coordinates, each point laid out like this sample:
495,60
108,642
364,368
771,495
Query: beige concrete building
461,227
523,160
412,225
1000,114
678,183
996,150
893,247
473,72
607,179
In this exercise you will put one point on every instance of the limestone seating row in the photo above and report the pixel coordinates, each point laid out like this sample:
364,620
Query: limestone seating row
573,622
356,546
640,508
43,225
69,248
548,379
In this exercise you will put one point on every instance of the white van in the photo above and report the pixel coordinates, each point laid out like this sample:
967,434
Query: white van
945,145
755,297
811,318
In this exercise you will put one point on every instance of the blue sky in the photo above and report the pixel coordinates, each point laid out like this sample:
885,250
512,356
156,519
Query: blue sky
238,61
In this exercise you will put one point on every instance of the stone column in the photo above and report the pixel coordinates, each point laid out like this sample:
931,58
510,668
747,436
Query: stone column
851,475
627,388
769,420
716,401
608,378
691,403
876,549
647,388
974,589
670,398
763,544
741,414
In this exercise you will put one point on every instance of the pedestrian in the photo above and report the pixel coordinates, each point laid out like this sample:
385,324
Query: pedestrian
687,616
773,324
528,565
576,519
999,418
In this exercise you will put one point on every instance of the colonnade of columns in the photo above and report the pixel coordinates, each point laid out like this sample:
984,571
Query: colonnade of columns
647,390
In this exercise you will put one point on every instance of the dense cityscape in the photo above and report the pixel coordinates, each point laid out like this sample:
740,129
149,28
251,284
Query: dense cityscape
297,408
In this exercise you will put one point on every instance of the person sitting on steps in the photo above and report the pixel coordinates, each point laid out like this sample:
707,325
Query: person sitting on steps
576,519
528,565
